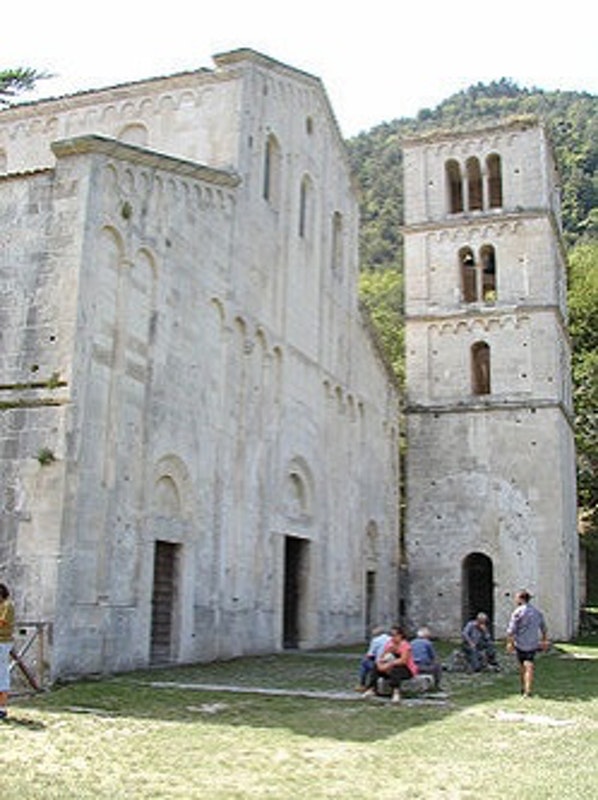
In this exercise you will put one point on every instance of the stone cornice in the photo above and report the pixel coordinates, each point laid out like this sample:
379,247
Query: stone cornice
103,145
521,122
489,405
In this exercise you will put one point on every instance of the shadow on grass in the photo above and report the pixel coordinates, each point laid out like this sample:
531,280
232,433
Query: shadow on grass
568,674
15,721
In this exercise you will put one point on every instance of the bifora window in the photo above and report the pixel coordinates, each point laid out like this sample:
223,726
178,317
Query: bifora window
478,275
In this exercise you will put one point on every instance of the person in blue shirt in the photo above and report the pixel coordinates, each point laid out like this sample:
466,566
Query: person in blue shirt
478,644
366,667
425,657
526,634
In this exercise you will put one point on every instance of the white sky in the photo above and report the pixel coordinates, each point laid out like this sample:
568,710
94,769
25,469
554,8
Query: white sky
378,60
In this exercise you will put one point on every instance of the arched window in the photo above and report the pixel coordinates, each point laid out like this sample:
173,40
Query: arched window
478,278
488,262
480,368
272,171
454,187
337,241
305,207
474,185
468,275
493,171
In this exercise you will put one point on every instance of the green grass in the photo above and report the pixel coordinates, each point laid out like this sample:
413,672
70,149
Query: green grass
123,737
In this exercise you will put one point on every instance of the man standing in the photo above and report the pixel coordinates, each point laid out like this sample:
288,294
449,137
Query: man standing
526,634
7,621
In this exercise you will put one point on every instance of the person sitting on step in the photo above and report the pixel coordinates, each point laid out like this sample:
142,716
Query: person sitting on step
425,657
366,667
478,644
395,664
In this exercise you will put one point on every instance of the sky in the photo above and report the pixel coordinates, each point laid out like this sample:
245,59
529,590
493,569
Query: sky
378,60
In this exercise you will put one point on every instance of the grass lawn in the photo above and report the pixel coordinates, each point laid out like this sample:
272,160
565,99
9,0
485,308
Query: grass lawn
158,734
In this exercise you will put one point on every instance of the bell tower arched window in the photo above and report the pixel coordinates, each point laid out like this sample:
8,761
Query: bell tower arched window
494,175
488,262
480,368
474,185
468,275
478,276
454,185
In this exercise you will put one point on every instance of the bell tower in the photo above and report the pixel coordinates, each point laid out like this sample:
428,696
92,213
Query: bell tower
491,494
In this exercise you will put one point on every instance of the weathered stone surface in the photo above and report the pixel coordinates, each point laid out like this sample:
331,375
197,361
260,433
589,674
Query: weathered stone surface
491,467
187,344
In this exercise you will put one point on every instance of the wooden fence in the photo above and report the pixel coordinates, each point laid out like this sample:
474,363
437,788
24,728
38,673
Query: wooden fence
28,665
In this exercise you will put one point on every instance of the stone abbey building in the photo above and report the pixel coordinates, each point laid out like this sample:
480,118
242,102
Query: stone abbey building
198,434
198,442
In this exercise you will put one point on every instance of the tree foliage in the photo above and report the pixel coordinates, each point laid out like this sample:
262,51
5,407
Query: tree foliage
381,293
15,81
583,316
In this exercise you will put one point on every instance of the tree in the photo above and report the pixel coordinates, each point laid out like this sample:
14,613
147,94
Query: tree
14,81
381,294
583,313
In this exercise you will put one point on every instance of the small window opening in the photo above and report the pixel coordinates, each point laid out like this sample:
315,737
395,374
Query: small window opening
454,186
493,169
488,260
474,185
337,241
305,202
468,275
272,170
480,368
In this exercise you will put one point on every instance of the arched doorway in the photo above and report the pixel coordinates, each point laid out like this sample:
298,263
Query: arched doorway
477,586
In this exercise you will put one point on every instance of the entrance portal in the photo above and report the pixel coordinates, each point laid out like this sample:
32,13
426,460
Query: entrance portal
295,579
477,587
163,602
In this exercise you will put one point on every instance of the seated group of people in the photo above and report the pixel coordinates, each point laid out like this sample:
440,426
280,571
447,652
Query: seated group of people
393,657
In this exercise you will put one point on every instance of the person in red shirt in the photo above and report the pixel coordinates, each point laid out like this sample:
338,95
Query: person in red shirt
396,662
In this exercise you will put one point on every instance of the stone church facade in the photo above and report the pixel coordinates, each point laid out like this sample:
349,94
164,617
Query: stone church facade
198,434
491,495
